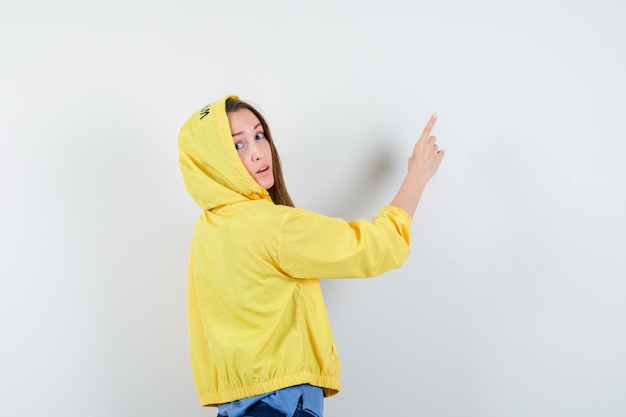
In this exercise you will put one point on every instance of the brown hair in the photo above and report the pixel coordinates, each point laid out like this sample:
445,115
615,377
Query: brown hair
278,192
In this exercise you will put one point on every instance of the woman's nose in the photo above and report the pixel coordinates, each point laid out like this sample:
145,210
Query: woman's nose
257,153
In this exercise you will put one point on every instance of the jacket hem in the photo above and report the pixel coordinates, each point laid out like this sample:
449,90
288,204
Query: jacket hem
329,384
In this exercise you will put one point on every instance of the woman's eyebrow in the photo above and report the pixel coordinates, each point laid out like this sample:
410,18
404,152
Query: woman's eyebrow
254,128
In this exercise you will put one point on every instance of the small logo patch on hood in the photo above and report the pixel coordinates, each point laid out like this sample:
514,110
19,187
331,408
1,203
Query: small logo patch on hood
204,111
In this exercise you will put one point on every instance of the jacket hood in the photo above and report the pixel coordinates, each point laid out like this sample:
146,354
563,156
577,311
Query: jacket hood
212,170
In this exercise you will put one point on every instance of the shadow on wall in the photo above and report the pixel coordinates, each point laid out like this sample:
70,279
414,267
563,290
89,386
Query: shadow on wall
365,185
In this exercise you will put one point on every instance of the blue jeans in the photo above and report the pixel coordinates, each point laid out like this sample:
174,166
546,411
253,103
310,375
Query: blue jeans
261,409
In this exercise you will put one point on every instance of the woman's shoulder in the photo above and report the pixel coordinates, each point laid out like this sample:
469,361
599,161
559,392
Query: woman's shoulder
259,210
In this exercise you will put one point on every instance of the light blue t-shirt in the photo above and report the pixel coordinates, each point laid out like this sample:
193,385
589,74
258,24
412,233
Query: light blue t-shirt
284,400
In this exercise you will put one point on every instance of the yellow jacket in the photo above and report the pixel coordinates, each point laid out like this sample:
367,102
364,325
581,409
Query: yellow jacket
257,320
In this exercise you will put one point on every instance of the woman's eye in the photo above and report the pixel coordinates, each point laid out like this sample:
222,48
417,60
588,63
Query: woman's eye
238,145
260,136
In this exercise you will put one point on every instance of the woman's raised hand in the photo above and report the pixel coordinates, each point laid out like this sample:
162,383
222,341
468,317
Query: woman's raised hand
423,164
426,156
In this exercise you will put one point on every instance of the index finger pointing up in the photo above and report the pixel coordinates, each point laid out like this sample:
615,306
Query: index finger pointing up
429,127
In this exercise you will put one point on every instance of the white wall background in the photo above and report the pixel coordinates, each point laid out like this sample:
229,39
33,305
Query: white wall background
513,301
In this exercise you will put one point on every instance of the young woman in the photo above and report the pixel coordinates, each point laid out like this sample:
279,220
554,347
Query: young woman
260,339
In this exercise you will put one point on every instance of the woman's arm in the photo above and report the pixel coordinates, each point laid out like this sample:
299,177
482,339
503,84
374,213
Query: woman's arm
423,165
311,245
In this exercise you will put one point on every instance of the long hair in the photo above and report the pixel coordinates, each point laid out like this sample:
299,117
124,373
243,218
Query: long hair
278,192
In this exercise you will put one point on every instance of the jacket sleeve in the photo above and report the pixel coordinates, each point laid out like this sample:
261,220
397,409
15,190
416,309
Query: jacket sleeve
313,245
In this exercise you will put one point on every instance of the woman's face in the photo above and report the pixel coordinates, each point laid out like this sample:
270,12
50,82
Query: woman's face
252,146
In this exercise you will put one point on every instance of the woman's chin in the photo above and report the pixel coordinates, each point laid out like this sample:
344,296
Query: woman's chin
266,183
